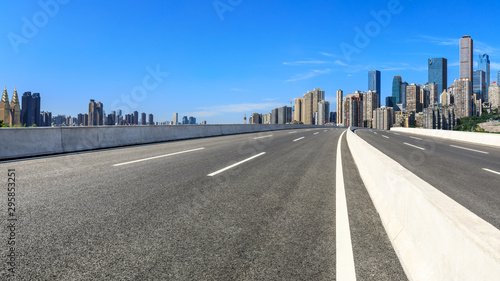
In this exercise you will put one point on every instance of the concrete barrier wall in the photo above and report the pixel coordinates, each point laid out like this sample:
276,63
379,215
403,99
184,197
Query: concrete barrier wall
472,137
434,237
24,142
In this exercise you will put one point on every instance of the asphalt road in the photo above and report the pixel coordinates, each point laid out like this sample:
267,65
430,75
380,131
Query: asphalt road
467,173
194,210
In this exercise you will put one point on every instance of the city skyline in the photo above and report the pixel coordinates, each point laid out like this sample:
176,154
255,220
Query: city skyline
221,82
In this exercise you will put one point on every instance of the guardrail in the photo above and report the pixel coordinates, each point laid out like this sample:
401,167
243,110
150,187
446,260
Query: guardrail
26,142
434,237
472,137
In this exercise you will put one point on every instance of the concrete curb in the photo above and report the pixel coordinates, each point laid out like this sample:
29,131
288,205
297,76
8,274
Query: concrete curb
28,142
471,137
434,237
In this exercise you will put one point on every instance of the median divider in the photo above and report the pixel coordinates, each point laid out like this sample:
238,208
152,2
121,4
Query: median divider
28,142
434,237
471,137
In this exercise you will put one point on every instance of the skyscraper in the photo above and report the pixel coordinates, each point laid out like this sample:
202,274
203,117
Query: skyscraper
15,108
150,121
438,73
93,121
307,112
463,97
484,65
317,96
370,99
494,95
466,59
404,86
143,118
374,83
413,98
30,110
432,93
340,95
136,118
479,84
396,88
297,113
176,118
5,114
323,112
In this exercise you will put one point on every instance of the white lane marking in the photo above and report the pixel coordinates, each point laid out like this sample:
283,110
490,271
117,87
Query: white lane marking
396,134
324,131
235,164
375,133
385,136
308,130
298,139
469,149
262,137
292,132
414,146
316,133
416,138
491,171
345,256
155,157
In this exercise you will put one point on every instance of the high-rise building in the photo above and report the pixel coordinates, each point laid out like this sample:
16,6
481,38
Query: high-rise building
284,115
374,83
136,118
438,73
150,120
92,113
255,119
484,65
383,118
498,77
143,118
192,120
479,85
176,118
30,110
494,95
307,113
466,58
404,86
413,98
396,88
440,117
185,120
323,112
432,95
353,110
370,100
317,96
463,97
340,95
297,113
5,113
46,118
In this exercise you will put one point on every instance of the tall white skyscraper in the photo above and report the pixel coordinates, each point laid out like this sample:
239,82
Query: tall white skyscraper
176,118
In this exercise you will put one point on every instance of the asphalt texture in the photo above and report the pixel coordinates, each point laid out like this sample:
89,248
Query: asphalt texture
80,217
447,166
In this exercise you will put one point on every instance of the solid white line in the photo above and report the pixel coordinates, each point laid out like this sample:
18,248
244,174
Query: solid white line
385,136
298,139
396,134
316,133
416,138
235,164
151,158
491,171
345,256
470,149
262,137
414,146
292,132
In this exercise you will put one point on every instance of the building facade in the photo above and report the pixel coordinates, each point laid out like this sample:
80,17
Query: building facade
466,58
374,83
340,96
494,95
370,100
484,64
463,97
413,103
438,73
396,88
479,84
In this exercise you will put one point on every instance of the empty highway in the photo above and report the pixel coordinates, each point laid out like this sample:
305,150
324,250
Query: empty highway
262,206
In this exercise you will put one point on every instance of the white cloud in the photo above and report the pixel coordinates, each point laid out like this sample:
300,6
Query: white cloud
305,62
310,74
211,111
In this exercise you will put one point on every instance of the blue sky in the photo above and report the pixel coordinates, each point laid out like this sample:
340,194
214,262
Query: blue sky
218,60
